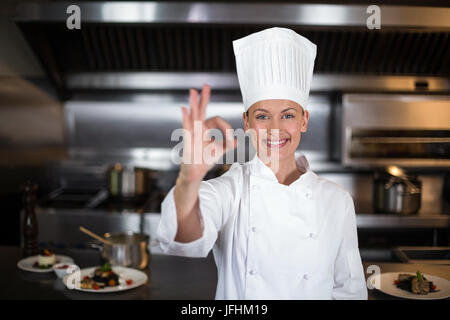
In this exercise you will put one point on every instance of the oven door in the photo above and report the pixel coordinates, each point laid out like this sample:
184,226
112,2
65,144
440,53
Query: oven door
404,130
405,147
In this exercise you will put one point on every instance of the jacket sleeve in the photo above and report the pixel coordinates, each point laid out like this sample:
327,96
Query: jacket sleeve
349,280
213,198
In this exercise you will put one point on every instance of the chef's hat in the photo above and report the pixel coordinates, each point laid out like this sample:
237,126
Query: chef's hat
276,63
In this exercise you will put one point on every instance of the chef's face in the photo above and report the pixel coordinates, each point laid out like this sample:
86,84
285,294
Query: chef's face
277,126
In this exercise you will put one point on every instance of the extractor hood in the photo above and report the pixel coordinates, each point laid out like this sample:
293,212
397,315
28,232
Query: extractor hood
177,45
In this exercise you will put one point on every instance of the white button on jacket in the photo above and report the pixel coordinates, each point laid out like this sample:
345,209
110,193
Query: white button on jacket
305,247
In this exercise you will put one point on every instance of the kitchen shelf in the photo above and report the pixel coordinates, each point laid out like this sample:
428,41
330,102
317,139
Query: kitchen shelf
379,220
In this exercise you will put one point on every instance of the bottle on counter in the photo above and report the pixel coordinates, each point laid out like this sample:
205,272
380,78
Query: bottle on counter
30,227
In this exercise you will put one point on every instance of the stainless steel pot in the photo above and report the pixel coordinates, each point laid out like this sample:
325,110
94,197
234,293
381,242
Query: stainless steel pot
128,249
127,181
395,195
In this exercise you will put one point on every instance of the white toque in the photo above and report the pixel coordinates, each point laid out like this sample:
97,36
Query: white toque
276,63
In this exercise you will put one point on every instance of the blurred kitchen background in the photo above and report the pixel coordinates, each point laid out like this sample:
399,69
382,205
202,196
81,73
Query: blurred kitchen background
88,114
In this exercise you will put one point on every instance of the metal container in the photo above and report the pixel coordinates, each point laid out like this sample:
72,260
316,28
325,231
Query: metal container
128,249
394,195
128,182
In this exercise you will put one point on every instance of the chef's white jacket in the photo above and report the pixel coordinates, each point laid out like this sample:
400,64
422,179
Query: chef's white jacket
272,241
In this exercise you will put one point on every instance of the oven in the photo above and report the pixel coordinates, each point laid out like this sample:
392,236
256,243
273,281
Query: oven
394,129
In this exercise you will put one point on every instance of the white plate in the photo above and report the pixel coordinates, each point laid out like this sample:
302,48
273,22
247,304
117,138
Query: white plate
387,286
27,263
138,277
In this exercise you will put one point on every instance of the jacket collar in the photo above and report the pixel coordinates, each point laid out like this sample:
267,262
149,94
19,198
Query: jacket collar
259,169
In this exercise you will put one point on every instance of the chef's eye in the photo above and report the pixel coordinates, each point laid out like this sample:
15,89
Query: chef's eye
261,117
288,116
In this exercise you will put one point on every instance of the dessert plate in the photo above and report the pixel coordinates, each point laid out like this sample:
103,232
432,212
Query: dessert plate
28,264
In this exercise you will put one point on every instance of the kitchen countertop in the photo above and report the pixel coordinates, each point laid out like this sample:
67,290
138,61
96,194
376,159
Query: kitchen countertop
170,277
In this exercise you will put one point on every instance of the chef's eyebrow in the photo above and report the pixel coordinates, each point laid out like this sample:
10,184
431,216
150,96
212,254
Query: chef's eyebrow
264,110
289,109
260,109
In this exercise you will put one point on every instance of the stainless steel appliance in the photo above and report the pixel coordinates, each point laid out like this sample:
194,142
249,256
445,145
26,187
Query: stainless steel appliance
393,129
99,199
176,45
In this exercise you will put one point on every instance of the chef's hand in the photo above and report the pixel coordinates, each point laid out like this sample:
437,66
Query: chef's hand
194,165
200,155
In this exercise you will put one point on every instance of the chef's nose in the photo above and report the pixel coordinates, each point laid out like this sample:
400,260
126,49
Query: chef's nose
275,123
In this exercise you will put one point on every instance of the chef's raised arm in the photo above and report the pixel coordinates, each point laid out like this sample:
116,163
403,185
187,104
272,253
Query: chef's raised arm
349,280
192,212
215,201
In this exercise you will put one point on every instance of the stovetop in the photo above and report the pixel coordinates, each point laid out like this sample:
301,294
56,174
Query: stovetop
100,199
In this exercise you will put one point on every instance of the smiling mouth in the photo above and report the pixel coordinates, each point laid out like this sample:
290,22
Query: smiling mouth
276,143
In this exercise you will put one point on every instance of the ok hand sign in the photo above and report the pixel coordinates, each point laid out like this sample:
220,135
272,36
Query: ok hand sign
200,153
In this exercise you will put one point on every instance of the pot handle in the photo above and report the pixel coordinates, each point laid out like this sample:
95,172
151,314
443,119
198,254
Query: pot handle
389,184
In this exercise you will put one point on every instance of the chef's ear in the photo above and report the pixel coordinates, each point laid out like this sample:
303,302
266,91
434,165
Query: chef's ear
305,120
245,118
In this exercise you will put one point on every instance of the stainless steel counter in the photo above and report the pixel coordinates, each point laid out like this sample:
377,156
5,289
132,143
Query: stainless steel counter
422,220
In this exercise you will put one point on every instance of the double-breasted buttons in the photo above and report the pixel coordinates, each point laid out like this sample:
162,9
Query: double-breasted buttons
308,193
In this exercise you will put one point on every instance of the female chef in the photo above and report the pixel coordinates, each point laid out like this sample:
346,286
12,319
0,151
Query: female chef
276,231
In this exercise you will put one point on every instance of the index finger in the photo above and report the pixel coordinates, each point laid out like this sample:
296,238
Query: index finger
221,124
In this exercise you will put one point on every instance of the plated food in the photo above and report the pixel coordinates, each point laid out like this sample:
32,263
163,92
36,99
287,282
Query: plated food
46,259
103,277
416,284
106,279
43,262
413,286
